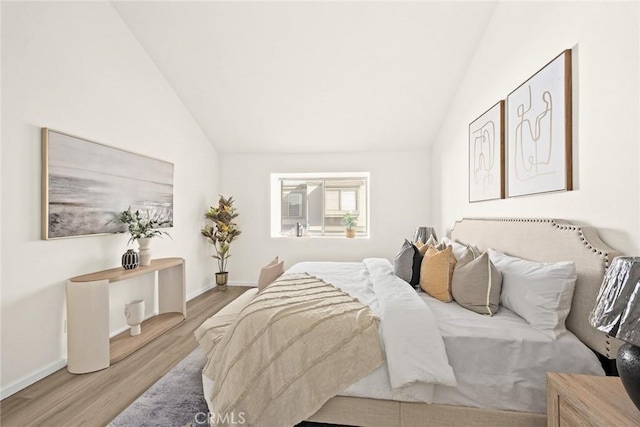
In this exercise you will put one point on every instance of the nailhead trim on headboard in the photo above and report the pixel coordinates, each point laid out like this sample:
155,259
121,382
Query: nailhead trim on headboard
555,224
589,239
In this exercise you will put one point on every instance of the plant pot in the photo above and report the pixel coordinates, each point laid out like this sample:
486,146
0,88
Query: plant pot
351,233
221,280
145,250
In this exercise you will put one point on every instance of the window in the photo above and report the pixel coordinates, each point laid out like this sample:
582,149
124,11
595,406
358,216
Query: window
292,205
318,203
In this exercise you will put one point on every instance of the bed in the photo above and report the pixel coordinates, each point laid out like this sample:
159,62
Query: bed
543,240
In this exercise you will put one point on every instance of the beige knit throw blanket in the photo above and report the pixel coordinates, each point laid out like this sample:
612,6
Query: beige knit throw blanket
296,345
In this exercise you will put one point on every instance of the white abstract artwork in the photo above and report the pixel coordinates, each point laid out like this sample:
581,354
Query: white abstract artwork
539,131
486,148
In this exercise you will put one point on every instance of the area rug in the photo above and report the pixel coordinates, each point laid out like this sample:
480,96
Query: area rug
175,400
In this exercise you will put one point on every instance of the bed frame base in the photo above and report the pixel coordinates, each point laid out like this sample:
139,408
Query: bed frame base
364,412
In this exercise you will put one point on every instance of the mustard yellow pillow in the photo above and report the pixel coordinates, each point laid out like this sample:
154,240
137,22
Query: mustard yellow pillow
422,247
436,272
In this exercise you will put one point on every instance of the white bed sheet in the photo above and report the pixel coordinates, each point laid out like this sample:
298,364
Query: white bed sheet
500,362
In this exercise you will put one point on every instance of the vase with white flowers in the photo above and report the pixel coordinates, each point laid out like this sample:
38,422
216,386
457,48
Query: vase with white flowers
220,232
142,227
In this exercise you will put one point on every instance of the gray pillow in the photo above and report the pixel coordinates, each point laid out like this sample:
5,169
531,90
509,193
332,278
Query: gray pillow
403,262
476,284
469,254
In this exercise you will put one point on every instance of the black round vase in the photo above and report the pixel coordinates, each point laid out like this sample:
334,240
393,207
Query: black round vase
628,364
130,260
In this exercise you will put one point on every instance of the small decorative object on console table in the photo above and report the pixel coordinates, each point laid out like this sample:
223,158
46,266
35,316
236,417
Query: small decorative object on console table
144,246
220,235
141,228
617,313
130,260
351,223
134,312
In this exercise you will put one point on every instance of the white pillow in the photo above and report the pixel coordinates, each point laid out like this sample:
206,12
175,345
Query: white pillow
540,293
458,248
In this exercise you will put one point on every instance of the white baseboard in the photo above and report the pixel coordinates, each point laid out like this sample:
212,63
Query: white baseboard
36,376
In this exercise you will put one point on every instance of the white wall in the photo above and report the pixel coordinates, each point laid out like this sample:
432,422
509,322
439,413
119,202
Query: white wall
521,38
399,201
75,67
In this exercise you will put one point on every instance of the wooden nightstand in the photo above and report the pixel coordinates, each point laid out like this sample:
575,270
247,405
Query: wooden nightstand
585,400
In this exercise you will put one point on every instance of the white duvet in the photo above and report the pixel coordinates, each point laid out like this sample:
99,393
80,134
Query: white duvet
499,362
416,359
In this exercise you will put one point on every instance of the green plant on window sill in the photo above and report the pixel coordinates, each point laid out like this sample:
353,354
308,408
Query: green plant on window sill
350,223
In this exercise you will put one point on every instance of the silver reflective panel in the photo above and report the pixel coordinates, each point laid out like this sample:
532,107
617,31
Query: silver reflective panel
617,309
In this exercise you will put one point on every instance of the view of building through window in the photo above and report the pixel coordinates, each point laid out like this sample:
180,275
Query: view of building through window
318,203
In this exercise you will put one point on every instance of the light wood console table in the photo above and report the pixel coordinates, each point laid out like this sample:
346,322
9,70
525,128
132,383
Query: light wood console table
89,348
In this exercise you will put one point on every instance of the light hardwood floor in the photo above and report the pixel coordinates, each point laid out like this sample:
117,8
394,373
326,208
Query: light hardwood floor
94,399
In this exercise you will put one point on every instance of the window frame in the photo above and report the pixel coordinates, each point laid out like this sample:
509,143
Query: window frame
276,203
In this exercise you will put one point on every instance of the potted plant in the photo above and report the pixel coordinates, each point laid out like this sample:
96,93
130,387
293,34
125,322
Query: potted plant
142,227
351,223
220,233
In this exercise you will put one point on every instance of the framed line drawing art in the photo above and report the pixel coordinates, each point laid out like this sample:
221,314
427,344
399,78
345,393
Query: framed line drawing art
486,155
85,186
539,131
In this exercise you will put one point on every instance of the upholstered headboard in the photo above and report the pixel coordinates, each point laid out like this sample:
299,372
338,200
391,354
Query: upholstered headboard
552,240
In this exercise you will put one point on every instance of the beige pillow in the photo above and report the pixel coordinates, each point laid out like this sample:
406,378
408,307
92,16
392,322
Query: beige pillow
477,284
436,272
269,273
470,253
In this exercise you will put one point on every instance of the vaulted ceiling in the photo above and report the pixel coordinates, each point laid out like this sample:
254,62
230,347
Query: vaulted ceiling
292,77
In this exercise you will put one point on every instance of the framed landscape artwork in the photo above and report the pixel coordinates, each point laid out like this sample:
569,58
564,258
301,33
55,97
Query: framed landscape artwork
539,131
86,185
486,155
